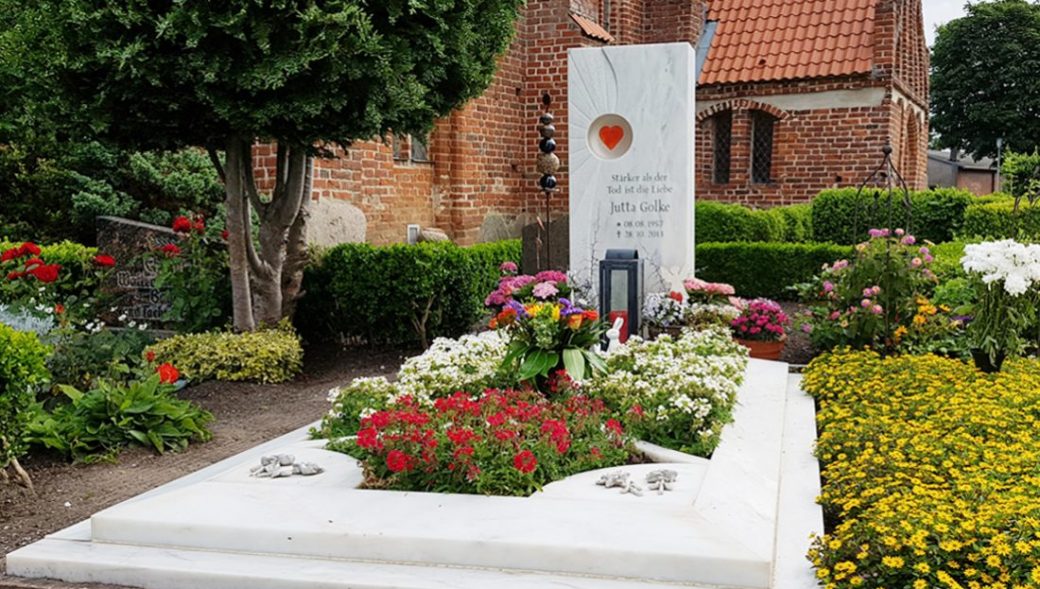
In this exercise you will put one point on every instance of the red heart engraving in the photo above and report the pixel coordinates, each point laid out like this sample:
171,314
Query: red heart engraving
611,136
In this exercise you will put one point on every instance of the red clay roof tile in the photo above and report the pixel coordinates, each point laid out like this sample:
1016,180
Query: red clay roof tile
762,40
592,28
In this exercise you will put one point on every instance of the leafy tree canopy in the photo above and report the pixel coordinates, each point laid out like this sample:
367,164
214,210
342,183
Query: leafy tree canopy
984,78
170,73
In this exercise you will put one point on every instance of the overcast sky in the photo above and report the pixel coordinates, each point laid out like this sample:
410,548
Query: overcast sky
937,12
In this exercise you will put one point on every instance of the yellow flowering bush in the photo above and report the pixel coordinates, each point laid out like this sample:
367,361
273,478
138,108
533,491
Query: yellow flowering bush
931,472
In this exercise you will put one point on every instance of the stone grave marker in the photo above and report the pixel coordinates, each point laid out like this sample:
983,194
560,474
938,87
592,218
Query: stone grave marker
631,134
133,283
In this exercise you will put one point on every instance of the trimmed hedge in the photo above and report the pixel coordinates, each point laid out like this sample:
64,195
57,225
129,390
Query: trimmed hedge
266,356
999,219
22,369
399,294
722,222
936,215
765,269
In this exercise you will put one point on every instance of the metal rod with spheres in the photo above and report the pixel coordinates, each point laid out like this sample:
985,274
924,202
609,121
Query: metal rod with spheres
547,165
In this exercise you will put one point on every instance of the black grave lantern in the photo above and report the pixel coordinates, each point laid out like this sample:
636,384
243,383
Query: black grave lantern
621,290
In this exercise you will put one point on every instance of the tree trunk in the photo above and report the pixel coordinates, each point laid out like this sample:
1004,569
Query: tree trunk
239,163
296,250
267,272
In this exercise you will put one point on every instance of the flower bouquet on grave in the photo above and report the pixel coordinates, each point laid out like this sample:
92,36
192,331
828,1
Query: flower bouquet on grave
547,337
760,327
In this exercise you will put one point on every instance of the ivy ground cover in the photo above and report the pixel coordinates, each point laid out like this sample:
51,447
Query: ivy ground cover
931,472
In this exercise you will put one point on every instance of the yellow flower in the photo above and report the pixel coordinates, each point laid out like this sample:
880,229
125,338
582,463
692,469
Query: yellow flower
893,562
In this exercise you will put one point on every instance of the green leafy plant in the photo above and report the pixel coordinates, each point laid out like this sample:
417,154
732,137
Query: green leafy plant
194,277
864,301
82,356
97,424
22,373
266,356
499,443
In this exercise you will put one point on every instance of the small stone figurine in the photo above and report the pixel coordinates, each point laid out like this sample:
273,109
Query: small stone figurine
661,480
620,480
283,465
614,335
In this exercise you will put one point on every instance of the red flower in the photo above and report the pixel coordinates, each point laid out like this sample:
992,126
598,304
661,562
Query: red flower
525,462
200,225
398,461
505,435
30,248
104,260
590,315
675,296
167,373
59,309
11,254
34,261
47,273
15,275
224,234
637,410
614,426
150,356
368,439
171,250
182,224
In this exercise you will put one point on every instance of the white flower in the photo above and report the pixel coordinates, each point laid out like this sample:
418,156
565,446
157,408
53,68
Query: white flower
1015,265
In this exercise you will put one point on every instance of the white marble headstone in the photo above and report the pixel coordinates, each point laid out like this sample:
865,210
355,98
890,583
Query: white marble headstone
632,119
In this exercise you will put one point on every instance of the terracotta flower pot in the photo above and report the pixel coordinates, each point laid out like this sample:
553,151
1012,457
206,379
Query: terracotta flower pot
764,350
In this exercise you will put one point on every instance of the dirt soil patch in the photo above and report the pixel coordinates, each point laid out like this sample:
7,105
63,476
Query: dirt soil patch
245,415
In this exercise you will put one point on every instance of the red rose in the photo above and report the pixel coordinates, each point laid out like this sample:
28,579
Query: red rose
525,462
30,248
167,373
398,461
182,224
171,250
34,261
15,275
104,260
47,273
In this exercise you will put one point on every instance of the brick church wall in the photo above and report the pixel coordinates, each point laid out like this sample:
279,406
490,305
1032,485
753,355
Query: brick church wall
480,181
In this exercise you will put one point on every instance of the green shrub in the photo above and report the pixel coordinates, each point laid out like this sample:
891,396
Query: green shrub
947,264
998,220
22,371
724,223
267,356
97,424
797,222
765,269
399,294
79,278
840,217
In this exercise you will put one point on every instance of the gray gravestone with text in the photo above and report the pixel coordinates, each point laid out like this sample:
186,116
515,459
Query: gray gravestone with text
631,137
132,284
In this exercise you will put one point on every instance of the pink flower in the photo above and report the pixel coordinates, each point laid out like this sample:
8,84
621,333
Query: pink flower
806,328
908,240
508,268
877,310
828,286
550,276
865,303
545,290
916,262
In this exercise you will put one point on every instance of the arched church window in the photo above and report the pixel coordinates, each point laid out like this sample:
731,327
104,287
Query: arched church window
722,143
763,131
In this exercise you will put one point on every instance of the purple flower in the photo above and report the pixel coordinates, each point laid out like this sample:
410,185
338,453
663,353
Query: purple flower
521,312
545,290
567,308
909,240
807,328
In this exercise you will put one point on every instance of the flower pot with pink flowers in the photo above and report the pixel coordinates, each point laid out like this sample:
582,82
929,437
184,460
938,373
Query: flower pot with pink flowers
761,327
